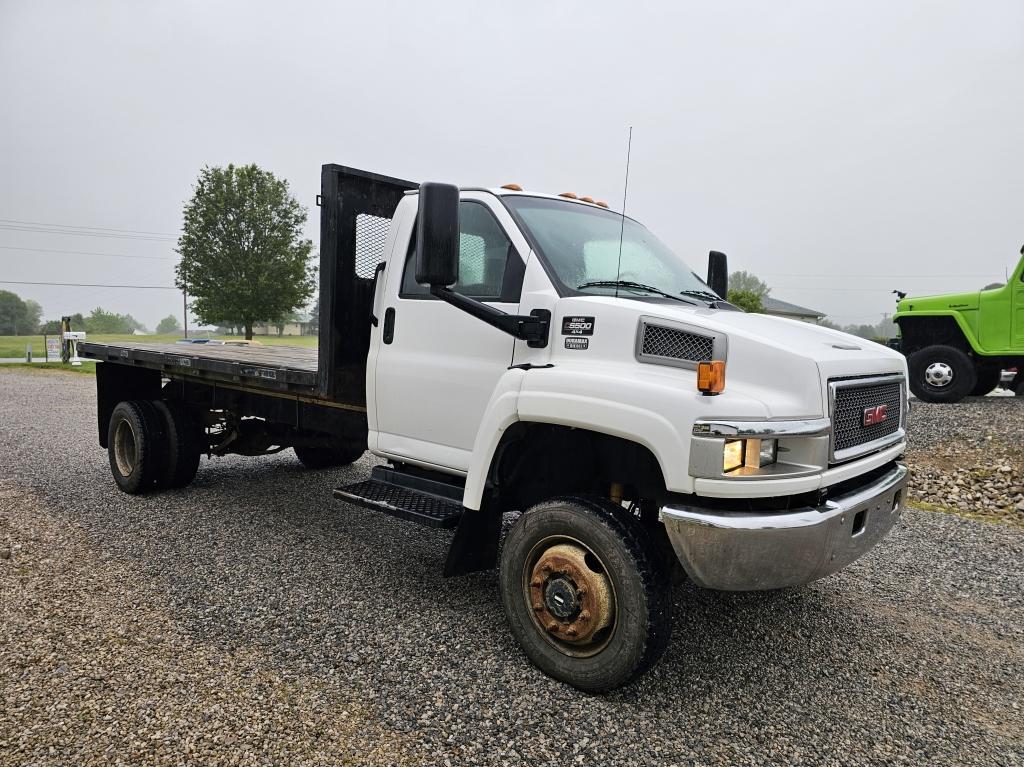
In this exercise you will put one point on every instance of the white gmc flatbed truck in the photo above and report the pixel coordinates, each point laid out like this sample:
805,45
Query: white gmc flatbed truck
506,351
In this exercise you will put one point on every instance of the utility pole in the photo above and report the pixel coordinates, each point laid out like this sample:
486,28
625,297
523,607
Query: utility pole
184,304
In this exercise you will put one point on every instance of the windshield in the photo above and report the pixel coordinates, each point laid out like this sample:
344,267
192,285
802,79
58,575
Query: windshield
581,243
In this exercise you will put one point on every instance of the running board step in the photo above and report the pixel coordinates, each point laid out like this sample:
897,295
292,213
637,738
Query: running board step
403,502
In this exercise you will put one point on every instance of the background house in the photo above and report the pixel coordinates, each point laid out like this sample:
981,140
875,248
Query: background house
795,312
300,324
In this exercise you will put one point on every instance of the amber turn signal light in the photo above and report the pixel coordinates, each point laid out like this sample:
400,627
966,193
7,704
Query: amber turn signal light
711,377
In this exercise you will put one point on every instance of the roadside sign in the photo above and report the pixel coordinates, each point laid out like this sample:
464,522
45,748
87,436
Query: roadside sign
53,349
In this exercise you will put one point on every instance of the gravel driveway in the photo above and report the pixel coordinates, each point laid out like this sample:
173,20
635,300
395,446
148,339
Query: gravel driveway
252,619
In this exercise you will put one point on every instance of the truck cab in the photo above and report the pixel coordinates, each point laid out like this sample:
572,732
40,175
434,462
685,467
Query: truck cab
958,344
512,355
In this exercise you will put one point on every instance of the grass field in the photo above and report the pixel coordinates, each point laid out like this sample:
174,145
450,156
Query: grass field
86,368
14,346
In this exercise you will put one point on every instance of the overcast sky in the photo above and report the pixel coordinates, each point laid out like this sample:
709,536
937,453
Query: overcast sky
838,150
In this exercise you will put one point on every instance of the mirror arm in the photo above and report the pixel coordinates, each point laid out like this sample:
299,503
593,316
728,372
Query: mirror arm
532,327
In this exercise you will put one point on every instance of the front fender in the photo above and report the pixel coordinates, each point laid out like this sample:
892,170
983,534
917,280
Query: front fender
961,322
501,412
655,413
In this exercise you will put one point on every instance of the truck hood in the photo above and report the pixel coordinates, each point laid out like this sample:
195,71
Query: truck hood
834,353
776,367
944,303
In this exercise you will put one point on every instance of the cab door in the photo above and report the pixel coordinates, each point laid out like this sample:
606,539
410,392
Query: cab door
437,366
1018,307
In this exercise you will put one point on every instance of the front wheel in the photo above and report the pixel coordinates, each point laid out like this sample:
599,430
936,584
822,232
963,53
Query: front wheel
941,374
586,592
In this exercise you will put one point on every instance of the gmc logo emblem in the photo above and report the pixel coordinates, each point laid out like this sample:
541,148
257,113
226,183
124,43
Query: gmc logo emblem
875,415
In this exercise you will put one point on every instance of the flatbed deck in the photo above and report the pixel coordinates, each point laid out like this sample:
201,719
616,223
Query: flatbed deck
288,368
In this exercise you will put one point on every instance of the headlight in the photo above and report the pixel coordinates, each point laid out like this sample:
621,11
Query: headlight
732,455
752,453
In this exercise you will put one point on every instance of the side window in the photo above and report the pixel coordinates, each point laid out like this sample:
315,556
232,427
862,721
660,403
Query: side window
489,267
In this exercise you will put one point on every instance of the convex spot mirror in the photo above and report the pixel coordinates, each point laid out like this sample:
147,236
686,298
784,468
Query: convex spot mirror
437,235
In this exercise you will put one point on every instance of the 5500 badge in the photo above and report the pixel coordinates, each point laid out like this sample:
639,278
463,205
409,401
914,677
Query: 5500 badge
577,328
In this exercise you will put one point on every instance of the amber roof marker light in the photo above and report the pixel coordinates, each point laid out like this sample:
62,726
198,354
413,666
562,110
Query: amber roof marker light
512,187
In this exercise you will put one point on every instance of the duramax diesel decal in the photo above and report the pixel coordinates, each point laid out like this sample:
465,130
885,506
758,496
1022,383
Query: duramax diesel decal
575,342
577,326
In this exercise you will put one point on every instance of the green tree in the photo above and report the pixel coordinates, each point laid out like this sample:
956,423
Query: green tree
748,283
747,300
243,257
100,321
827,323
33,316
168,324
12,314
18,317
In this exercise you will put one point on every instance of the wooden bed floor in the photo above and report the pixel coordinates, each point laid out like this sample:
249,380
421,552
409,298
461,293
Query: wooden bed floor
301,358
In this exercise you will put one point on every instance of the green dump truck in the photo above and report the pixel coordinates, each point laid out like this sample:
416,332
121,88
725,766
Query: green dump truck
957,345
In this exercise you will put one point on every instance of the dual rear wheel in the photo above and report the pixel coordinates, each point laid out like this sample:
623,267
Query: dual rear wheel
152,445
156,445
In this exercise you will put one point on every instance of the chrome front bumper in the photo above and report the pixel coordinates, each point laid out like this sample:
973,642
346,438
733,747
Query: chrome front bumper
749,551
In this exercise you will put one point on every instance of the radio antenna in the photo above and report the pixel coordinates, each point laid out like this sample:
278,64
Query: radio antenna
622,225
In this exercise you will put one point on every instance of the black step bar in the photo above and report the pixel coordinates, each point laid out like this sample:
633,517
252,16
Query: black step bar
407,496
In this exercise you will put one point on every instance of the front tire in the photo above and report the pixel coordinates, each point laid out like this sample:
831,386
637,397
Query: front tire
135,446
586,592
941,374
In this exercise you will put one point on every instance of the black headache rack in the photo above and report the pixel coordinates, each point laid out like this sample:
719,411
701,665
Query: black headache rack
356,208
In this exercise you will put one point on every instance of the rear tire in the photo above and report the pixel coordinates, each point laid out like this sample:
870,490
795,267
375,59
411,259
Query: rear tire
586,592
988,379
135,446
941,374
182,445
326,457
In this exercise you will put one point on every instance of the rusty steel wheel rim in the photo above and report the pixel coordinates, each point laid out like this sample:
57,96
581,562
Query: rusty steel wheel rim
569,596
125,448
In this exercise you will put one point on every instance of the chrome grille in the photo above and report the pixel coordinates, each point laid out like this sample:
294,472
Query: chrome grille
660,341
851,400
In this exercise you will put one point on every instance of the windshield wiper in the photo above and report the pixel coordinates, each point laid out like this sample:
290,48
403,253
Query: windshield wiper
705,294
628,285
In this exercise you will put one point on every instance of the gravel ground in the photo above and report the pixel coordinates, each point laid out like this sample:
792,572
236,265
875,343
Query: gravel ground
968,458
252,619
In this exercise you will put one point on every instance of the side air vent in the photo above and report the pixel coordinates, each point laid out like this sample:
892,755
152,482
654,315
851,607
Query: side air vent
677,345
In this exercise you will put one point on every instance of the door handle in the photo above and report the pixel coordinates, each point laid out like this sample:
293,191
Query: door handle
389,325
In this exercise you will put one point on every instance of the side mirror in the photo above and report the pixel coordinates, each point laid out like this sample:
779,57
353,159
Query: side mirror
437,235
718,273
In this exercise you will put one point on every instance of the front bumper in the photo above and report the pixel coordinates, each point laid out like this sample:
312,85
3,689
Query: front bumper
749,551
